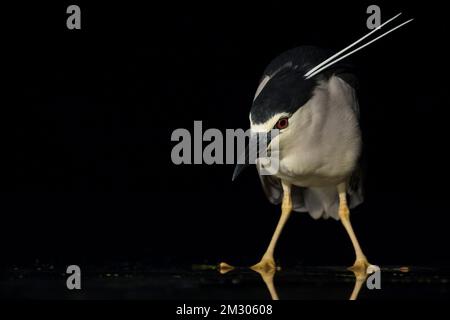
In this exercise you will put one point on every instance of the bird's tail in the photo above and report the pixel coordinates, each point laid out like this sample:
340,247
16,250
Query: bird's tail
320,202
323,202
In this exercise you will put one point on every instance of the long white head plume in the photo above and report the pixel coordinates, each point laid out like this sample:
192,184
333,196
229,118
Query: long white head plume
329,62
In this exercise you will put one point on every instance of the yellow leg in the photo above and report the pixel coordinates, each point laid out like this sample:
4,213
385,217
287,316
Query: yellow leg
361,263
267,262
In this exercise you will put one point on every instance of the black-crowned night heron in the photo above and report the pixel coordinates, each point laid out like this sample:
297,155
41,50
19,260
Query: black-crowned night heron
309,96
319,142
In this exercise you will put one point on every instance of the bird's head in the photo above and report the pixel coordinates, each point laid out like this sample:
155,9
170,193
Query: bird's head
277,105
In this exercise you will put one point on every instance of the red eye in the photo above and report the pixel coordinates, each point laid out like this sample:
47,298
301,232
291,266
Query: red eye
282,123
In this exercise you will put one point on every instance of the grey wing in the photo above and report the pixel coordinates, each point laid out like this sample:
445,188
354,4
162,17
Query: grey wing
355,185
355,188
272,188
352,81
274,192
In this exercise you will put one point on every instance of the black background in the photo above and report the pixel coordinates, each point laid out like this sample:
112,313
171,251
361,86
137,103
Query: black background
88,117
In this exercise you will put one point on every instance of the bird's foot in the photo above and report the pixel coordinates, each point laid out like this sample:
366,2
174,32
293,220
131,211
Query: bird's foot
225,267
362,266
265,265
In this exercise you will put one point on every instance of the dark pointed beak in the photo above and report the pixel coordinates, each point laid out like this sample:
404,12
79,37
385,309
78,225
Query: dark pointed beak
251,152
238,169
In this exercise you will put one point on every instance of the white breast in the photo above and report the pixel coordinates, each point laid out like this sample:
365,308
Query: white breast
323,143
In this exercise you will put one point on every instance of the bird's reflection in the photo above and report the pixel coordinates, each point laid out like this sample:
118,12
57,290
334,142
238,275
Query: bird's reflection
268,277
360,279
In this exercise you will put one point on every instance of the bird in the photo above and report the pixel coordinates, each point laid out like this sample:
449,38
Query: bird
319,141
308,97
